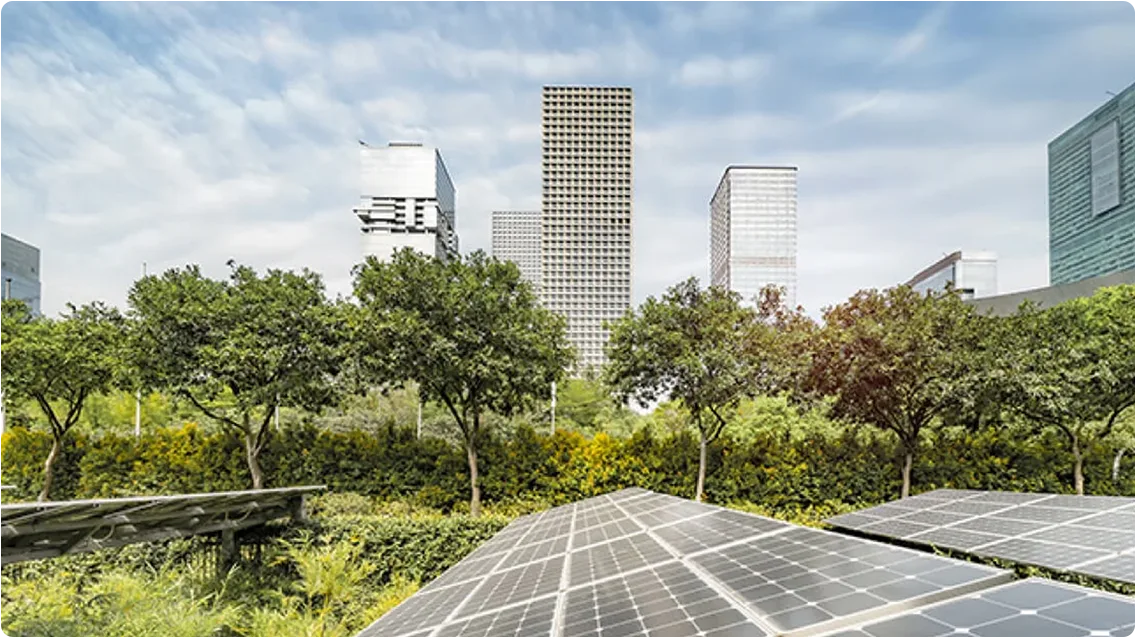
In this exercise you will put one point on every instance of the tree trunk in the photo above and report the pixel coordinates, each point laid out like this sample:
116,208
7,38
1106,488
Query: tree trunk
1116,463
49,467
908,458
475,491
252,457
1078,475
701,467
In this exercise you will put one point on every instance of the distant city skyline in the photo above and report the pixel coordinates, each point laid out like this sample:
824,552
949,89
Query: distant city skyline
199,133
753,231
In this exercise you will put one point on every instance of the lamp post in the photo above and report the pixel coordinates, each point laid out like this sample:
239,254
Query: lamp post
7,295
553,407
138,394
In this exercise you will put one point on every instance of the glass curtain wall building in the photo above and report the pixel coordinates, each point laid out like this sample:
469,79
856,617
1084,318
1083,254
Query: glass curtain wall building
1091,216
973,274
753,231
20,272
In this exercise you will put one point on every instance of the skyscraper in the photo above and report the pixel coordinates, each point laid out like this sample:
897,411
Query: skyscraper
586,211
407,199
753,231
516,238
20,272
1091,214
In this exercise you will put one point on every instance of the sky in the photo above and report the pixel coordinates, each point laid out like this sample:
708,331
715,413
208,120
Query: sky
174,133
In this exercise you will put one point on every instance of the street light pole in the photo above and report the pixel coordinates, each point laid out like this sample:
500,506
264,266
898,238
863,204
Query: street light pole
7,295
138,393
553,407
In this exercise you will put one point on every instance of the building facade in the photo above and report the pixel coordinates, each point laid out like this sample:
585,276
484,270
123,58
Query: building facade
753,231
1091,215
974,274
1049,296
407,200
585,265
20,266
516,238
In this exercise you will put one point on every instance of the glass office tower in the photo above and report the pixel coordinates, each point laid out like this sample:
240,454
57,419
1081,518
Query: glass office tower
1091,219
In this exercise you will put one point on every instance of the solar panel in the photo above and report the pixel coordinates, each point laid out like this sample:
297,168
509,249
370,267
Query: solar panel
1092,535
1031,607
46,529
638,563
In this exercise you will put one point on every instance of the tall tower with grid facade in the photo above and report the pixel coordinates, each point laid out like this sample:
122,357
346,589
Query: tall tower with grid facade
516,238
586,194
753,231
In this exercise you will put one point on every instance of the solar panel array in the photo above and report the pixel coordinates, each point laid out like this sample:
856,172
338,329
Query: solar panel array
636,563
30,531
1031,607
1092,535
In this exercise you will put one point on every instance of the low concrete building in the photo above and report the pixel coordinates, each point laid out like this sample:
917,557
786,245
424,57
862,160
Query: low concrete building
1008,304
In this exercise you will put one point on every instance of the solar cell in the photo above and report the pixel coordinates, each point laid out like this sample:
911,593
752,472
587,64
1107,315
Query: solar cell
47,529
643,564
1093,535
1032,607
774,576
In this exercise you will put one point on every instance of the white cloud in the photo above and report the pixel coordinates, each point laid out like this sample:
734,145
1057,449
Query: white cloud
237,140
918,38
709,70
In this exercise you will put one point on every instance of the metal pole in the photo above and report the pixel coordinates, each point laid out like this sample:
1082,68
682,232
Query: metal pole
553,407
3,393
418,433
138,394
276,412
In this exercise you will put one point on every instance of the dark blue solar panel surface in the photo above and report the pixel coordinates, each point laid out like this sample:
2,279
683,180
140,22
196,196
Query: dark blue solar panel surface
1093,535
636,563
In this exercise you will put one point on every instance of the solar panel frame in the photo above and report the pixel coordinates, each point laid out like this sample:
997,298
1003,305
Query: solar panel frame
804,570
1023,607
30,531
1091,535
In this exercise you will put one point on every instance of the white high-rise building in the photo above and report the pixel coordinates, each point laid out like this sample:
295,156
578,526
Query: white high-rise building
516,238
586,211
407,200
753,231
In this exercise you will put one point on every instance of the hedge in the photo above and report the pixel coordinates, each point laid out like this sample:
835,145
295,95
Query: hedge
779,470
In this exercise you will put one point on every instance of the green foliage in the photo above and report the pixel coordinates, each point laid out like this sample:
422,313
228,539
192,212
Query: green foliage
237,349
896,359
57,364
693,346
469,331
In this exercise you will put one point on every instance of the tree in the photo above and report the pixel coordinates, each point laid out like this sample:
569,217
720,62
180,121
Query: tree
468,331
238,349
783,347
895,359
59,363
691,345
1070,367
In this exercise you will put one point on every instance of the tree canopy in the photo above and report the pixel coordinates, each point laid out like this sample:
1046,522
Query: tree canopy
692,345
895,359
237,349
469,331
59,364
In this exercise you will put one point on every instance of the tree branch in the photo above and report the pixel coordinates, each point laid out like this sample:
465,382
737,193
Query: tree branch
211,414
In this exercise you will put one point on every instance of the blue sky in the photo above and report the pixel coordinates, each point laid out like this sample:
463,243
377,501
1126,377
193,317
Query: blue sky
194,133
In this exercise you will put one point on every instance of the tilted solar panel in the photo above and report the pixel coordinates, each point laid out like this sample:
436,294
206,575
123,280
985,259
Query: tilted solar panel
639,563
1032,607
1093,535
